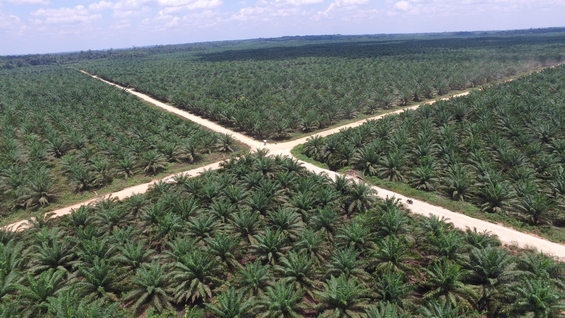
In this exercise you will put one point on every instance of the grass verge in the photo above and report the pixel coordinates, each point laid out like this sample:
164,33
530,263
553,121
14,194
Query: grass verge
297,153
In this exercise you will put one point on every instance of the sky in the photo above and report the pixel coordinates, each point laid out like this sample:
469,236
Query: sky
50,26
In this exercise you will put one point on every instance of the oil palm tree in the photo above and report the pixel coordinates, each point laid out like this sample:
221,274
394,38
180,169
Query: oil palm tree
281,300
126,166
253,278
313,244
246,224
99,281
325,221
367,159
109,219
386,310
232,304
152,162
226,247
270,245
423,177
39,188
492,268
285,220
445,309
391,165
235,195
356,234
458,182
70,304
133,254
393,253
447,244
541,266
391,221
480,239
89,249
225,142
8,281
135,204
361,197
168,226
202,226
313,147
536,208
56,255
496,196
393,288
195,275
150,286
35,291
180,246
445,281
81,177
259,201
346,262
342,297
298,269
539,298
186,208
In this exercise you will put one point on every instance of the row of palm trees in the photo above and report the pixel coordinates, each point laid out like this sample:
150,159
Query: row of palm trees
275,97
64,132
501,149
264,238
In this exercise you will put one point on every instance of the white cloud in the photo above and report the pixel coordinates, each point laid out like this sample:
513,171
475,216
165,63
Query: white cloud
173,22
347,4
301,2
100,6
190,4
131,8
249,13
7,21
120,26
30,1
403,5
77,14
340,3
193,6
204,19
131,5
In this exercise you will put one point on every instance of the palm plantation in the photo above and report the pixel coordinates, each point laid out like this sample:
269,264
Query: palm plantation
493,149
277,261
262,237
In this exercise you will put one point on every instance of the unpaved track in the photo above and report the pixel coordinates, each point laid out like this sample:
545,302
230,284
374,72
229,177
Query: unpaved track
199,120
125,193
506,235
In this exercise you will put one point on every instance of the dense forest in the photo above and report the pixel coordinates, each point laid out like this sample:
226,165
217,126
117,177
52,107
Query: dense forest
275,91
63,132
263,238
502,148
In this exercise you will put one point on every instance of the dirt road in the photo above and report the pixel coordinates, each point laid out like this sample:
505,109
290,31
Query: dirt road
125,193
506,235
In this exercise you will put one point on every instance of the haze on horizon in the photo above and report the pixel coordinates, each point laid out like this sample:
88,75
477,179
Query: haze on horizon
49,26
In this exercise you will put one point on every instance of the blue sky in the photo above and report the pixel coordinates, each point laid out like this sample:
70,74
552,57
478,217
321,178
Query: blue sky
43,26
